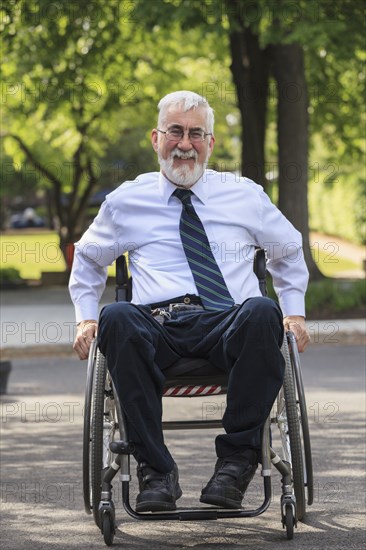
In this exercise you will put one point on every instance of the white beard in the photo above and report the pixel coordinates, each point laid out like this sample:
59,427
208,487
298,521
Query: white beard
184,176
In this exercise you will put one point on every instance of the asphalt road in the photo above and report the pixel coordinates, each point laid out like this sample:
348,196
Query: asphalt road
41,489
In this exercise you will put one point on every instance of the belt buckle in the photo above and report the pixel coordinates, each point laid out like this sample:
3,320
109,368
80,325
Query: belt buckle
183,307
176,306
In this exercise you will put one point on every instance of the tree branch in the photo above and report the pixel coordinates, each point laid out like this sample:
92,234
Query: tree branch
92,180
76,178
56,183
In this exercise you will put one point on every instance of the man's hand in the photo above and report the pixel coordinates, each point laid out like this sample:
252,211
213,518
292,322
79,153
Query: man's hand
296,323
86,332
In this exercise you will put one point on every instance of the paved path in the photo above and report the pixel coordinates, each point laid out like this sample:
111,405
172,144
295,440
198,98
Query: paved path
40,316
41,488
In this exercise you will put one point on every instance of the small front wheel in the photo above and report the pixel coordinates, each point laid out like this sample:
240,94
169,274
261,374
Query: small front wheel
289,522
108,528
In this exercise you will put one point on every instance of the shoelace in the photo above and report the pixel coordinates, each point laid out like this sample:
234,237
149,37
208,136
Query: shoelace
149,475
226,468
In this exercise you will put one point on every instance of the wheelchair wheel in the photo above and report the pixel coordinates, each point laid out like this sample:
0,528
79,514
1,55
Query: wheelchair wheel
295,359
86,433
295,433
293,423
108,529
289,522
96,443
99,428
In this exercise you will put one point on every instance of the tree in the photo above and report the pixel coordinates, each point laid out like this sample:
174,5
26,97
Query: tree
79,76
69,68
250,67
279,40
295,40
56,99
79,80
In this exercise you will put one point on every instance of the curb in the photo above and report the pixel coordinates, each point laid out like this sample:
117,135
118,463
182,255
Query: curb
21,352
337,331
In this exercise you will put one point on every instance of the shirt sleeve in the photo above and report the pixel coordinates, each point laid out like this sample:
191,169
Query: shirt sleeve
286,262
93,253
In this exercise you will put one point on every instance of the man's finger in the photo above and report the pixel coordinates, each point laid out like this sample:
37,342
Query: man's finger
302,339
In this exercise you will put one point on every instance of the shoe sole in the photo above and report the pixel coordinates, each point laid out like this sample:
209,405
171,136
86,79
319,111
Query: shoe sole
157,505
222,502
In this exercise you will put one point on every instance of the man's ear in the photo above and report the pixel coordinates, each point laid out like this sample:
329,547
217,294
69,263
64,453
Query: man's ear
154,139
211,145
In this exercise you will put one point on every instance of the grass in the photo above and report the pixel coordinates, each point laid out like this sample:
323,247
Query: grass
330,266
32,253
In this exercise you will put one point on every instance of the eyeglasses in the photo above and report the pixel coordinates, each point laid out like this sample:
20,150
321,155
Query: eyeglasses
176,133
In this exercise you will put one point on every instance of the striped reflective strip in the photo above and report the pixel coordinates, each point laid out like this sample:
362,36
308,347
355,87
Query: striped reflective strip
191,391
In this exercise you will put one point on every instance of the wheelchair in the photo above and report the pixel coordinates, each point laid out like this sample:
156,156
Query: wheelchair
107,449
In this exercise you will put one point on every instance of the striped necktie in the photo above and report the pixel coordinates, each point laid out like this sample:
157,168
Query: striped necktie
209,281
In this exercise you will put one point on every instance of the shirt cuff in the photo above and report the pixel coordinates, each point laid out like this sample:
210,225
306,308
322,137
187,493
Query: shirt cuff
292,303
84,312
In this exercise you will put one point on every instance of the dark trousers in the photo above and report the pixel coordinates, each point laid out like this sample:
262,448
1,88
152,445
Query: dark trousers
243,341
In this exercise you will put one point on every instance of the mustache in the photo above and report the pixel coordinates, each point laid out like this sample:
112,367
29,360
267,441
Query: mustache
192,154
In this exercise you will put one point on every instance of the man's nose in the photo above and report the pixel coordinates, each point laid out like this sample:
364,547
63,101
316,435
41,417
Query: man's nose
185,142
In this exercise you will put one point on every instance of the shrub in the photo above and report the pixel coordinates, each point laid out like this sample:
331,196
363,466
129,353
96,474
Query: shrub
336,295
9,277
332,295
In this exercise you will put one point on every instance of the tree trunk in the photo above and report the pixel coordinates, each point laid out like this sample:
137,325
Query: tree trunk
250,70
292,136
73,227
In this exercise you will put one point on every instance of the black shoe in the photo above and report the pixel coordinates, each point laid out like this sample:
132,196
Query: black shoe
158,492
231,478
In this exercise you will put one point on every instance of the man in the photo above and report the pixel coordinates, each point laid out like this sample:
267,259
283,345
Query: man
191,235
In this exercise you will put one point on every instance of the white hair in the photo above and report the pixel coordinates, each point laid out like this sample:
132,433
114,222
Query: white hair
187,101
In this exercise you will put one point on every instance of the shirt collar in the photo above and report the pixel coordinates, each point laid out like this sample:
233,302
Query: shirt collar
167,188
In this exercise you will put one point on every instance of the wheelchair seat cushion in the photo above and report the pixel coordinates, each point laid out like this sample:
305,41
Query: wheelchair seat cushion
194,370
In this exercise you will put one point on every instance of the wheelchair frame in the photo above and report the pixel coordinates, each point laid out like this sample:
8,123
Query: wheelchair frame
104,455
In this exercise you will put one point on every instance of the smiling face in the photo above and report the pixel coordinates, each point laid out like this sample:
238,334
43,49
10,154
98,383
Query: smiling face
181,161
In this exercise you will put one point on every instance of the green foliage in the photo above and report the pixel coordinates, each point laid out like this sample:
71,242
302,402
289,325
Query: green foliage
63,81
330,297
339,209
81,81
15,182
336,194
360,212
337,296
9,275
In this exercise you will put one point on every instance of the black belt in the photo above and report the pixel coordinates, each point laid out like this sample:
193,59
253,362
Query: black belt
187,299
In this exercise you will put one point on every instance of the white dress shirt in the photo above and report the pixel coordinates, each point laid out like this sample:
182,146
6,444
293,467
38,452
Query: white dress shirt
142,218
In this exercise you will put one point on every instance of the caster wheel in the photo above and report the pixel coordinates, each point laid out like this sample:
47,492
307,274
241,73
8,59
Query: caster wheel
108,529
289,522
